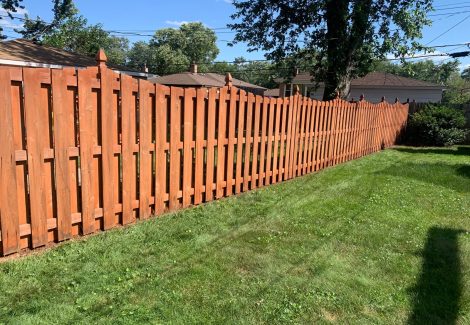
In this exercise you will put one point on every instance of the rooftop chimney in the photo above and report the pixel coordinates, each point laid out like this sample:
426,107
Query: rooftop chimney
146,69
193,68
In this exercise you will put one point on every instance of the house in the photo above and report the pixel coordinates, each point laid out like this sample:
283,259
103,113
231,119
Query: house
26,53
196,79
373,86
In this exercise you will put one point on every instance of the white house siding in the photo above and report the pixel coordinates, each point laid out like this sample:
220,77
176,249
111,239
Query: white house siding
374,95
418,95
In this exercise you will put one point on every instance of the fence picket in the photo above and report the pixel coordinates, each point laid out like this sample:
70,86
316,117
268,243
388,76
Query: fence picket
231,141
221,138
128,141
9,211
189,94
241,137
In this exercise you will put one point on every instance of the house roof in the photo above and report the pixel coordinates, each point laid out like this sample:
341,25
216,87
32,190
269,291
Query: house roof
186,79
375,79
22,50
272,92
200,80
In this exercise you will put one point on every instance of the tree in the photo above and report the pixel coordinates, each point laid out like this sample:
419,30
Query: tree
426,70
457,90
77,36
340,38
173,50
70,31
36,28
9,6
466,74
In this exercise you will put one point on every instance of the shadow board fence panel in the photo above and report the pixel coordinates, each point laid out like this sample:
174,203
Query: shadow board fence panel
89,149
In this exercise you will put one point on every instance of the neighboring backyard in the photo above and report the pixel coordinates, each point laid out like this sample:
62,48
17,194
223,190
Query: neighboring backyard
383,239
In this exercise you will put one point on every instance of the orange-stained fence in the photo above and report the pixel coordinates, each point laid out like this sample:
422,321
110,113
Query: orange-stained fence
86,150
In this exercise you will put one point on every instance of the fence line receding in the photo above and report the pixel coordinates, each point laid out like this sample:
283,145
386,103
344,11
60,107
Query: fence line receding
86,150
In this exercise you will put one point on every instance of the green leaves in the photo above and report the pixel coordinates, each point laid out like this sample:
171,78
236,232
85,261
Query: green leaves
343,36
436,125
172,50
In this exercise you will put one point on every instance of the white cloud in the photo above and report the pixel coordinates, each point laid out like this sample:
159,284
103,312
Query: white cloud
6,22
464,66
19,12
176,22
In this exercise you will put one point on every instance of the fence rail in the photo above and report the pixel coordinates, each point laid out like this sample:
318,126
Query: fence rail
86,150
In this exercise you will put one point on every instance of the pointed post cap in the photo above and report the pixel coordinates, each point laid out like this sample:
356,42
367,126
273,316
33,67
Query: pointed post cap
396,99
383,98
361,97
228,79
101,58
337,95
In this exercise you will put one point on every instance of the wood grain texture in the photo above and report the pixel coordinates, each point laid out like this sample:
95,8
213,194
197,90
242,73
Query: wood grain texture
36,121
9,212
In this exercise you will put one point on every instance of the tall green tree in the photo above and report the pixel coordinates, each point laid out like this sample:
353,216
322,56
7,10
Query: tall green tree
340,38
70,31
75,35
173,50
426,70
38,28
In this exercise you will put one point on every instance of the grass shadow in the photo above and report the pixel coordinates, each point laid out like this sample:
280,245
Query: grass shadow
457,151
464,171
437,294
452,176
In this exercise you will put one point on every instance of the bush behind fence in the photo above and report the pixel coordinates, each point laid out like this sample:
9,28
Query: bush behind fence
87,150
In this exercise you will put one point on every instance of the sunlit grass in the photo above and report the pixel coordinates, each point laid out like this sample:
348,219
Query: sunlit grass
344,245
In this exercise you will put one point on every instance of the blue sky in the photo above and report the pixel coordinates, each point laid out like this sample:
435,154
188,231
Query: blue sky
146,16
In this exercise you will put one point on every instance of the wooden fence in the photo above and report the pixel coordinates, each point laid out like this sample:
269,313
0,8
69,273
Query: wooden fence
86,150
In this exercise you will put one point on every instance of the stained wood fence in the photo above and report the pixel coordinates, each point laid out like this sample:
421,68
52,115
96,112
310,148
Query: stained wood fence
87,150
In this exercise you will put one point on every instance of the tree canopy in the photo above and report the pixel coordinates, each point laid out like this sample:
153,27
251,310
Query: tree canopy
426,70
10,7
466,74
173,50
340,38
70,31
77,36
37,28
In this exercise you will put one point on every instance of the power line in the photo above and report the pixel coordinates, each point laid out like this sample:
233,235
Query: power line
448,30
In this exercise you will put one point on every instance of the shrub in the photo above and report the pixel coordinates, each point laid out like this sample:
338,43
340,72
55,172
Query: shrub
436,125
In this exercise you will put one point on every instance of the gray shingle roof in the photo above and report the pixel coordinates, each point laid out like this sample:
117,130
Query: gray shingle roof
29,51
200,80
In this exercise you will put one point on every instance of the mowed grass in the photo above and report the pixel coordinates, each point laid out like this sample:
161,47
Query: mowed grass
382,240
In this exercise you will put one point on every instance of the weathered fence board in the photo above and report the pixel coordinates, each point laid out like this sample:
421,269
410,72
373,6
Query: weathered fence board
86,150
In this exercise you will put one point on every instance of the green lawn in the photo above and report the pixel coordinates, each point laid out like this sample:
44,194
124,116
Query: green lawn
383,240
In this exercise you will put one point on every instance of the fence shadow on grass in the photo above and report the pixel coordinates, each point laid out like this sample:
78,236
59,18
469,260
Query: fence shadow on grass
457,151
437,293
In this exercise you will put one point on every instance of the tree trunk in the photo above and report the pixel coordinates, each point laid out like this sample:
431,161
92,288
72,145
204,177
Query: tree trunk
337,33
337,86
343,44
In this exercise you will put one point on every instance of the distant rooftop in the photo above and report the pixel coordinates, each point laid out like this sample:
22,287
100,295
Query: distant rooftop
201,79
28,53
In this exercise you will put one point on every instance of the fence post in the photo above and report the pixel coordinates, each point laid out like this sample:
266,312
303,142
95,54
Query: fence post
228,80
101,59
107,145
